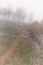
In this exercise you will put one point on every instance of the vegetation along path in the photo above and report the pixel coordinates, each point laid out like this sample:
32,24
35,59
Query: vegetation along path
7,56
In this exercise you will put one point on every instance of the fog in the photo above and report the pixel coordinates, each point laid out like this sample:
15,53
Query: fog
35,6
21,32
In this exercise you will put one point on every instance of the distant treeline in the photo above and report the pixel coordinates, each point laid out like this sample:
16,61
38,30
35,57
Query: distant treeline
8,14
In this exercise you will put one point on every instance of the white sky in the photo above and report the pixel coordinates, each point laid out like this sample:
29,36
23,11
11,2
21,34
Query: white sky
35,6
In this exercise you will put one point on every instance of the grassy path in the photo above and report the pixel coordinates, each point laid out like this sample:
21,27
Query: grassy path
7,56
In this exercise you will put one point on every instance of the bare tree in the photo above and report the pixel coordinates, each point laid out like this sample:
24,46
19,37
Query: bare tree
3,12
31,17
20,14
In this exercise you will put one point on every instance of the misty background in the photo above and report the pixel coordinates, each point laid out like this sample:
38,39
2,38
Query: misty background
34,6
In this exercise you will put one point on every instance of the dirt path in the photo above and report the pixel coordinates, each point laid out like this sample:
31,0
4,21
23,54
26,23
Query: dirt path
7,56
